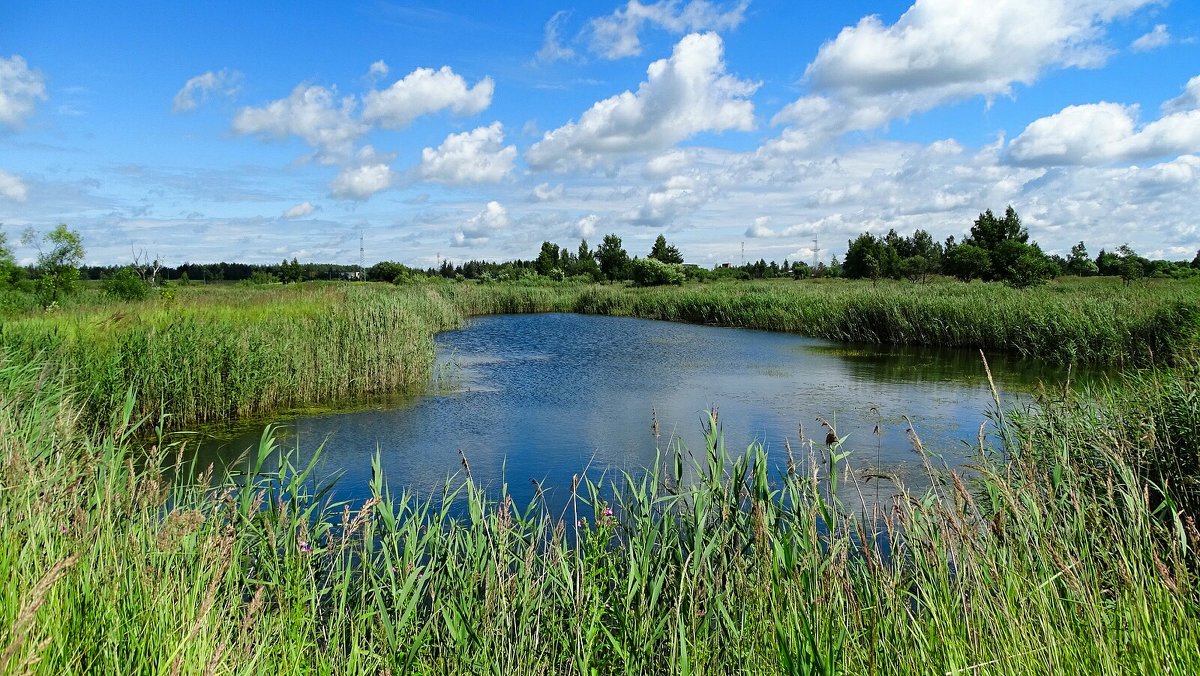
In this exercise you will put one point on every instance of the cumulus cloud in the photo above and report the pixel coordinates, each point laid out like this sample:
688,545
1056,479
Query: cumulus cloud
20,90
482,226
1159,37
544,192
477,156
616,36
196,90
1100,133
369,176
12,188
941,52
378,69
1188,100
425,91
300,210
313,113
682,96
759,229
586,226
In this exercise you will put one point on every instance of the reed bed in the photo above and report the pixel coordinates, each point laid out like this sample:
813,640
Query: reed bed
1033,566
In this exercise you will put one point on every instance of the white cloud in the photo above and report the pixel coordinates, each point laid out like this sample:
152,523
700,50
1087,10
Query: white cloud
482,226
12,187
196,90
1188,100
684,95
20,89
552,47
940,52
378,69
300,210
477,156
666,164
313,113
586,226
360,182
425,91
544,192
616,36
1100,133
759,228
1159,37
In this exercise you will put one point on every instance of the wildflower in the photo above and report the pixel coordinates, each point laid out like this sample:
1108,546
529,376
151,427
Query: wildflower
582,523
305,548
608,511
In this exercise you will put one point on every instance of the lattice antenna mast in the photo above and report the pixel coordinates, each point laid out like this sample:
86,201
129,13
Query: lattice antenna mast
362,252
816,253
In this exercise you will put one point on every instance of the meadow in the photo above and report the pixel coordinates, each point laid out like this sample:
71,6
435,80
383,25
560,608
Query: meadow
1071,546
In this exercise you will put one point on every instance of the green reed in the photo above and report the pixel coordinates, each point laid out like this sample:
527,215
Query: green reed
731,562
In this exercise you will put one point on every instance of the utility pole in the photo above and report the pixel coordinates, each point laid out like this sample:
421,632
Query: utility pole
743,254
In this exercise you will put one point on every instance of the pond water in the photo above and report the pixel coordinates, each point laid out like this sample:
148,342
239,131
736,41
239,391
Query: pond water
544,397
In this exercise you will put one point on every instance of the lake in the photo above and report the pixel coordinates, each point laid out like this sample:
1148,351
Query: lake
543,397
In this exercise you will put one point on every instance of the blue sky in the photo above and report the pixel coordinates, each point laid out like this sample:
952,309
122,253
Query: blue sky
263,131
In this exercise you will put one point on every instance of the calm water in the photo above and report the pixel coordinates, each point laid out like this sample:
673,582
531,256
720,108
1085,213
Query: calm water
546,396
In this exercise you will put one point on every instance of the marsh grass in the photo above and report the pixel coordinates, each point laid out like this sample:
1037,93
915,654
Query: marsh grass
213,354
708,562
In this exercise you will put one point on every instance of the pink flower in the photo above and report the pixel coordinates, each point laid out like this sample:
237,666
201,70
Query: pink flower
305,548
608,511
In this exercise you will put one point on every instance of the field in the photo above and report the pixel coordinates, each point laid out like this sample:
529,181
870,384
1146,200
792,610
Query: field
1072,548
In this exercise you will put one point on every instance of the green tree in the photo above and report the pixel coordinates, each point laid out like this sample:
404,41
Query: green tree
966,262
1131,265
1196,261
60,253
613,257
1079,263
667,253
8,264
548,259
585,262
863,257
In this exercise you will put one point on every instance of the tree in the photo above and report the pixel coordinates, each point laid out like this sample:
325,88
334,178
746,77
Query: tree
966,262
8,264
548,259
1079,263
667,253
863,256
915,268
60,253
1131,266
585,262
1196,261
613,258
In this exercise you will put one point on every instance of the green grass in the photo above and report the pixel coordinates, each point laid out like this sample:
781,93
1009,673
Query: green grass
232,352
1054,558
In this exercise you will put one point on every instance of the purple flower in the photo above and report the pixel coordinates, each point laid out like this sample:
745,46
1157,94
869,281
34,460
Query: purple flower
305,548
608,511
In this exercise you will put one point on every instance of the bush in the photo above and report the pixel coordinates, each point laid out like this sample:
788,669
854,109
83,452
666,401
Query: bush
653,272
126,285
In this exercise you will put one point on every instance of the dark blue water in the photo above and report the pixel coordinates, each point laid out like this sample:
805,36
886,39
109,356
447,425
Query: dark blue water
545,397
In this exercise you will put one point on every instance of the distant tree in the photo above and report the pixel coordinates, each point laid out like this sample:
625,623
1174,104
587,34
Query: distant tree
585,262
8,264
1196,261
667,253
1079,263
863,257
922,244
548,259
915,268
60,253
1131,265
801,270
612,257
966,262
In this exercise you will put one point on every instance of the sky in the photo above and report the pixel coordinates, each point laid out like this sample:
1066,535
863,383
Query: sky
740,129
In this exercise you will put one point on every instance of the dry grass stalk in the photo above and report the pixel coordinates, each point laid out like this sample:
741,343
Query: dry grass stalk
37,597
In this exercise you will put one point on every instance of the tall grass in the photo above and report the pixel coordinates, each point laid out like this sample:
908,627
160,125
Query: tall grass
225,353
1035,567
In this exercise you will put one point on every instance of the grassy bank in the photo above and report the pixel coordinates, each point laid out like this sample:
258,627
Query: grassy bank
1054,562
224,353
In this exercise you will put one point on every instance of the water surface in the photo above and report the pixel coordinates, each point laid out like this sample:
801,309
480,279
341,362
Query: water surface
544,397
